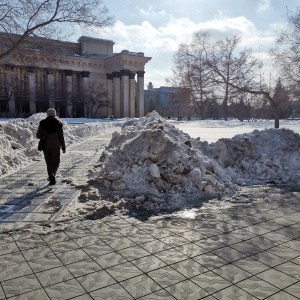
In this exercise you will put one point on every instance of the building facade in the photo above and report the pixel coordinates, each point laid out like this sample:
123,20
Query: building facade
168,101
83,79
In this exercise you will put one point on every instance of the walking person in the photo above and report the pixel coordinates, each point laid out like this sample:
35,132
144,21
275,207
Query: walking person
51,130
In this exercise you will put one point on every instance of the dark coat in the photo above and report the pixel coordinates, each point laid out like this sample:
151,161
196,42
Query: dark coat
51,129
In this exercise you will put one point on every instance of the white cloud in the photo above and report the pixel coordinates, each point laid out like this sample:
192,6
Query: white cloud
264,5
161,42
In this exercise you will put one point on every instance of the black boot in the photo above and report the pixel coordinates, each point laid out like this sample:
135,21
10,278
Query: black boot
52,180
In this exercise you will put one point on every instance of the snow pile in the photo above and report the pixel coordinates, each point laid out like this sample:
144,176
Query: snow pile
154,165
259,156
151,161
18,142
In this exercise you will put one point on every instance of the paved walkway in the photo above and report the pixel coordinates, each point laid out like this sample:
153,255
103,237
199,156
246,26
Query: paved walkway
247,252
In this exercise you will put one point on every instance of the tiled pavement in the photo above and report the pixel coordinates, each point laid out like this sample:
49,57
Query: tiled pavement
245,252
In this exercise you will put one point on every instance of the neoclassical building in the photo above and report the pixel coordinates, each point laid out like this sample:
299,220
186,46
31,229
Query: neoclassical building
83,79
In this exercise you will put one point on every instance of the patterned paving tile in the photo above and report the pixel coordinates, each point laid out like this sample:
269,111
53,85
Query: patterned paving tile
110,259
270,225
155,246
112,292
290,268
161,294
233,293
229,254
83,267
11,259
72,256
174,240
97,249
88,240
210,260
211,282
276,237
63,246
124,271
277,278
158,232
232,273
83,297
53,276
227,239
262,242
246,248
120,243
251,265
284,252
294,244
148,263
96,280
189,268
192,236
65,290
45,263
294,290
37,294
243,234
109,235
186,290
268,258
296,260
9,247
258,229
282,296
171,256
140,286
210,244
13,271
55,237
2,295
191,250
257,287
289,231
35,253
134,252
20,285
31,243
166,276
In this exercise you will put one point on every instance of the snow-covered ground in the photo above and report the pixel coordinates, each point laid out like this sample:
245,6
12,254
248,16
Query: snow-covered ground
158,164
18,143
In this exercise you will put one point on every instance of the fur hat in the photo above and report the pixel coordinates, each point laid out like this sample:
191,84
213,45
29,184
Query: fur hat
51,112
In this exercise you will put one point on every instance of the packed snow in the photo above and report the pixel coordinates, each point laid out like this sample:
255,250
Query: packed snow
19,144
153,165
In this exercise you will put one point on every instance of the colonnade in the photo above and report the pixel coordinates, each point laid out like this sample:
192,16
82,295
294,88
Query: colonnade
127,98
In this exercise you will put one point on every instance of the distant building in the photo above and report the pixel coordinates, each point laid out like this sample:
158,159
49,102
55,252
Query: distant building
168,101
60,74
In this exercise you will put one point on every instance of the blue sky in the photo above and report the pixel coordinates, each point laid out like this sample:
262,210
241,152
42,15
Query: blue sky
157,27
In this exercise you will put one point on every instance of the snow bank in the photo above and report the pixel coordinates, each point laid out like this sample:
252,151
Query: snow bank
18,143
156,166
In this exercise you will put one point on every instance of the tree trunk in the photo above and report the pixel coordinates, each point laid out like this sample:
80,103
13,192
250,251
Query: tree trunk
276,116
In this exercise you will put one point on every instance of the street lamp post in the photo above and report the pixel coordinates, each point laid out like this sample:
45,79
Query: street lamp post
178,112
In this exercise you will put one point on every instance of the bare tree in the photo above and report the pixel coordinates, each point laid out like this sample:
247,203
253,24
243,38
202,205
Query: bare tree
50,19
95,98
191,71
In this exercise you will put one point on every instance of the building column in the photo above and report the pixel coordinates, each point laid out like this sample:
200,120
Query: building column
140,94
109,78
132,95
11,92
68,89
32,90
85,85
51,93
116,94
125,93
